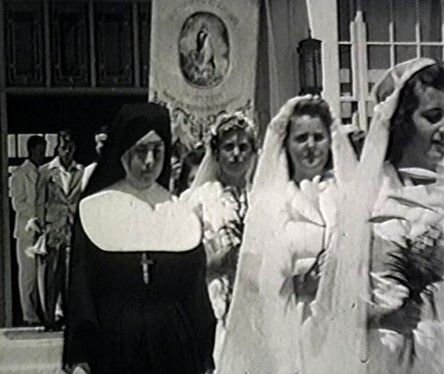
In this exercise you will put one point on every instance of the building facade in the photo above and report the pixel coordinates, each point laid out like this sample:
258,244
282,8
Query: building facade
66,63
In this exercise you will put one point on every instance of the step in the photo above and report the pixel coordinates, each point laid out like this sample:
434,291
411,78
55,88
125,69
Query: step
30,350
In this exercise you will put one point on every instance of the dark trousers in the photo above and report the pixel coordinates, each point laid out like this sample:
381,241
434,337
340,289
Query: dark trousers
51,274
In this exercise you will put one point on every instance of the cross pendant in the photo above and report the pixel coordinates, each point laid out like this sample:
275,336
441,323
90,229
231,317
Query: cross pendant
145,262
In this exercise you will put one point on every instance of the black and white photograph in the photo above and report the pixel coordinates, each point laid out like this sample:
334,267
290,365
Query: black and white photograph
221,187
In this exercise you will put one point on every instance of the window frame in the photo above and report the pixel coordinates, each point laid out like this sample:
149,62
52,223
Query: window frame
360,101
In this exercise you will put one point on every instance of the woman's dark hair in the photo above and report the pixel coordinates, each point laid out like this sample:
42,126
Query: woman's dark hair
317,108
402,126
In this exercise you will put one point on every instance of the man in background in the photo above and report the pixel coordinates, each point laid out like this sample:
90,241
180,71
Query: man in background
57,196
23,195
100,138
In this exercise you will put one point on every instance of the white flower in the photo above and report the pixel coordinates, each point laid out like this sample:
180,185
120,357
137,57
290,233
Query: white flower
215,209
388,293
391,339
304,206
407,212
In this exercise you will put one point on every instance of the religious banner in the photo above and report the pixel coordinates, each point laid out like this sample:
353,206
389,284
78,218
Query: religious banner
203,61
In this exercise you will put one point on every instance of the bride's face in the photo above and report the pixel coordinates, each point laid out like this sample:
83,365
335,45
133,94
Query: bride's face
427,147
235,153
308,144
145,160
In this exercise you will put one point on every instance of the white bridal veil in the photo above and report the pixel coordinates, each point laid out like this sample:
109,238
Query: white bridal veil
338,334
258,337
262,334
209,168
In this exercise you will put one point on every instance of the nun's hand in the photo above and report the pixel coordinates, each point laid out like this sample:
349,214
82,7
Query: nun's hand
279,122
218,292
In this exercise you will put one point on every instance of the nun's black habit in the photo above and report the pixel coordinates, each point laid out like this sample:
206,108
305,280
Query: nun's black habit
115,322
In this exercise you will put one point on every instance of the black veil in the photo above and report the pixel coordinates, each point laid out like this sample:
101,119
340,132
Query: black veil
84,339
131,123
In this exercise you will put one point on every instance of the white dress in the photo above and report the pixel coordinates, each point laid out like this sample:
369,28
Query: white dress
284,232
219,209
428,337
397,216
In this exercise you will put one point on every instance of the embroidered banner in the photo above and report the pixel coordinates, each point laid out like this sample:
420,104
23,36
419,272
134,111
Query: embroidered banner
203,61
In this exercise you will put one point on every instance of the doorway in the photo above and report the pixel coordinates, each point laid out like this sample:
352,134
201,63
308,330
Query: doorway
46,115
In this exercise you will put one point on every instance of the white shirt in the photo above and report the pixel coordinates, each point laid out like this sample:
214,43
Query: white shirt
23,194
65,174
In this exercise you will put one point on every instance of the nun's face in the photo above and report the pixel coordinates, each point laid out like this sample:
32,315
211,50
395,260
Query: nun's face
427,147
308,144
144,161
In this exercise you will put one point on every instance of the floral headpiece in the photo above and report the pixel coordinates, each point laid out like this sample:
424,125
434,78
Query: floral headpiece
224,122
231,121
227,122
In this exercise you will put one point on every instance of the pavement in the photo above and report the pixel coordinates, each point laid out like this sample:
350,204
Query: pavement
30,350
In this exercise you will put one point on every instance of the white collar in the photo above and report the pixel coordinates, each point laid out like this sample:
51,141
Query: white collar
117,221
56,164
28,164
153,195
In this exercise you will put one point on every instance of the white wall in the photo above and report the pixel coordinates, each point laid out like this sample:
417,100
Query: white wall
323,18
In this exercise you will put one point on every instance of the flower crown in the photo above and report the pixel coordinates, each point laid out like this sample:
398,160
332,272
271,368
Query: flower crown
227,122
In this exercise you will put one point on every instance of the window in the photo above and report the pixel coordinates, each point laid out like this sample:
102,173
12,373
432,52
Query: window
376,35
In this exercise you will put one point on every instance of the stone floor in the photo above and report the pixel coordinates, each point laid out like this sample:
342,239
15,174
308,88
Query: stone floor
30,350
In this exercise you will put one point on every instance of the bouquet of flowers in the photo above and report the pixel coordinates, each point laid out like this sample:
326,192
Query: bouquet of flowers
419,267
225,246
416,229
229,236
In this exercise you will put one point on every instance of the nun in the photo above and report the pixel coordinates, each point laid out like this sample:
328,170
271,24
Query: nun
138,301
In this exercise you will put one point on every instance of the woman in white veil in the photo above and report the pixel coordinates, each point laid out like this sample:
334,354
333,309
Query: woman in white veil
219,194
284,233
209,170
379,305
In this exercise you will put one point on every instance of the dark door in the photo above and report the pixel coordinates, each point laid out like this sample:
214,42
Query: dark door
48,114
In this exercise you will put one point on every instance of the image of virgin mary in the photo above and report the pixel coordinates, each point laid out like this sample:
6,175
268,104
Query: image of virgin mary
204,50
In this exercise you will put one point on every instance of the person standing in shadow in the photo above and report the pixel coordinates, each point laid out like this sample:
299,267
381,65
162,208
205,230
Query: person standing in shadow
23,193
58,193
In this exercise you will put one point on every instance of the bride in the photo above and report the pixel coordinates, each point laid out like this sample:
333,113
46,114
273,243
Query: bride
283,236
379,305
220,196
